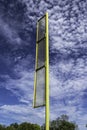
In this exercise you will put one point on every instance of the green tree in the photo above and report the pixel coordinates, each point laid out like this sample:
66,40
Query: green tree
28,126
14,125
10,128
2,127
64,117
61,123
65,125
22,126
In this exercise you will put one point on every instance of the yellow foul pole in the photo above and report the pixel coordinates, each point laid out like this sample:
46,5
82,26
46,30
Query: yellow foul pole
39,42
47,76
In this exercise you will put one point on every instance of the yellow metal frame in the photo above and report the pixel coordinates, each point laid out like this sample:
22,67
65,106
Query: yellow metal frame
47,75
34,99
46,71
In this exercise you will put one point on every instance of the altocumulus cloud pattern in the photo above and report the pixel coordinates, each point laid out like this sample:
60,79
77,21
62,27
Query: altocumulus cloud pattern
68,59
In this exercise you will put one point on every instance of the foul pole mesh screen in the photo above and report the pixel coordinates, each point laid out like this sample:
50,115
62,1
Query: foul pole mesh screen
40,69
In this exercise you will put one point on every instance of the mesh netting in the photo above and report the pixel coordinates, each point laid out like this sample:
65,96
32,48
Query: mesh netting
41,53
41,28
40,87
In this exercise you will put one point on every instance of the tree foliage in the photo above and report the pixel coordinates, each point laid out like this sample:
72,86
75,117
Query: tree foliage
61,123
22,126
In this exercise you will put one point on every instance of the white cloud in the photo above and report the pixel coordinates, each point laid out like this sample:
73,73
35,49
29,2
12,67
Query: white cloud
22,87
22,113
68,83
9,32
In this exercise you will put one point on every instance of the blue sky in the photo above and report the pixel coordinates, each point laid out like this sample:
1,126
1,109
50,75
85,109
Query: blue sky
68,60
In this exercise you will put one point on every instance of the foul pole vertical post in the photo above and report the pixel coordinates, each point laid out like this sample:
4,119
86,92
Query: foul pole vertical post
47,76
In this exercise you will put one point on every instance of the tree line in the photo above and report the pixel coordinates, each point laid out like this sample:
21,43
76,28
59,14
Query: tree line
61,123
22,126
